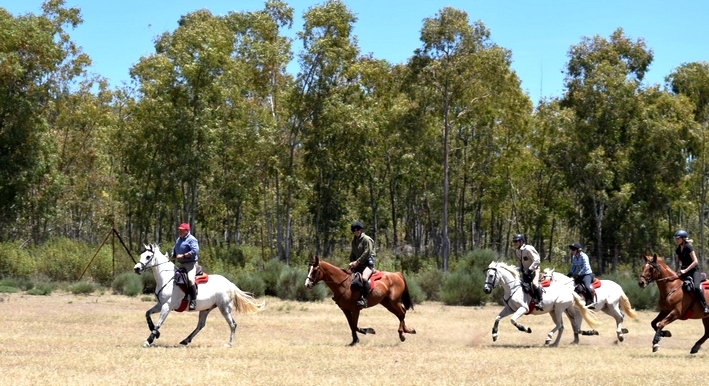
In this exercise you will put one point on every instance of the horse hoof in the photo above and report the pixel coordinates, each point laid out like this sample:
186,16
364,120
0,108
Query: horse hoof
655,347
227,344
402,337
412,331
184,343
624,330
529,330
666,334
547,342
694,350
621,338
146,344
494,338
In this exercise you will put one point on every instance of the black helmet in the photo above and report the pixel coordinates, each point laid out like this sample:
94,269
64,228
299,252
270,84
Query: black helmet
518,237
356,225
575,246
681,233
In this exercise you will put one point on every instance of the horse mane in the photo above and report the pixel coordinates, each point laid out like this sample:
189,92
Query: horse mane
312,261
512,269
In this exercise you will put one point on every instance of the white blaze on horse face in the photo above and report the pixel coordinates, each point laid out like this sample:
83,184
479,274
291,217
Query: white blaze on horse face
308,283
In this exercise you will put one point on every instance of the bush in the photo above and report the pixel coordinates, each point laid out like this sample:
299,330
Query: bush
82,287
291,286
8,290
415,291
16,261
250,282
430,283
22,284
271,275
461,288
148,280
42,289
127,283
65,260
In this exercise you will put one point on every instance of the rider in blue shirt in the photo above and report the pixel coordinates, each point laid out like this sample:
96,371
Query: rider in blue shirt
581,271
185,251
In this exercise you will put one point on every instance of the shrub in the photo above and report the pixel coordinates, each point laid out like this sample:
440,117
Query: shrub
127,283
16,261
21,283
82,287
415,291
461,288
430,283
291,286
42,289
8,290
271,275
250,282
148,280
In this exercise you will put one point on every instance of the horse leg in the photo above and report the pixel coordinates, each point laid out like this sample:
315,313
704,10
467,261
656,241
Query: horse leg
155,333
400,312
555,314
352,321
200,325
518,314
617,314
505,311
154,310
703,339
226,312
661,320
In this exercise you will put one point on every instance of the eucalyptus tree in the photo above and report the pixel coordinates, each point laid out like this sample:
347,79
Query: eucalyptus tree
170,144
475,92
325,123
692,81
38,64
613,156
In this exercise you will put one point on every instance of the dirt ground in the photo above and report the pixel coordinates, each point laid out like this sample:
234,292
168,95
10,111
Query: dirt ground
67,339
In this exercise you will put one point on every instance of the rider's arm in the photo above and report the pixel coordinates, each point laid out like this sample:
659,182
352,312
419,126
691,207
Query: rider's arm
368,251
535,258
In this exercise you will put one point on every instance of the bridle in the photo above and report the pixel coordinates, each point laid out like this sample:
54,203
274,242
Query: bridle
658,270
312,271
494,277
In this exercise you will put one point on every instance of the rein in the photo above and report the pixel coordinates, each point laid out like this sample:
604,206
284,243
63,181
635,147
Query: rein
329,281
495,279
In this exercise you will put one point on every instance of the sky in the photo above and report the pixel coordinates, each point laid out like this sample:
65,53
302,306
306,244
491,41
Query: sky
539,34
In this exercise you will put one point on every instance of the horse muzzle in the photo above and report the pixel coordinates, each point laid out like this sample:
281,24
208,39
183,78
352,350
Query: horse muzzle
138,268
487,289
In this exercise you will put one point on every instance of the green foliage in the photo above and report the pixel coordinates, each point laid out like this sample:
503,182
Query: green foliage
149,284
462,289
64,260
21,283
8,289
42,289
430,282
127,283
271,274
415,291
291,286
16,262
82,287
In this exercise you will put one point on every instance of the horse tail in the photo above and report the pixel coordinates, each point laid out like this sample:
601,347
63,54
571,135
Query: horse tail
244,302
405,296
626,307
587,315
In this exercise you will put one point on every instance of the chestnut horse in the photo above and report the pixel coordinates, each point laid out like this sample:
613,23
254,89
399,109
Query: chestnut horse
673,302
390,291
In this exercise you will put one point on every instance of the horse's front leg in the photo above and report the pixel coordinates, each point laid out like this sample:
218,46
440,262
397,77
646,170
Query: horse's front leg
154,310
155,333
661,320
352,321
505,311
518,314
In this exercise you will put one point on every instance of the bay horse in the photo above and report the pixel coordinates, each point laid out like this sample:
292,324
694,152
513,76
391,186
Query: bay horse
610,298
557,300
389,290
673,302
217,292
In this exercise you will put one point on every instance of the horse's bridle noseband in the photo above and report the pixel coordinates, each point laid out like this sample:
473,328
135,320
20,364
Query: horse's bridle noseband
494,277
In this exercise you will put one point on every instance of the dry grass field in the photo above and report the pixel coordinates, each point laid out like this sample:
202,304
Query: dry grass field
67,339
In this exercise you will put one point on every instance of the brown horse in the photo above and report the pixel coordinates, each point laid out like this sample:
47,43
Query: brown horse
674,303
390,291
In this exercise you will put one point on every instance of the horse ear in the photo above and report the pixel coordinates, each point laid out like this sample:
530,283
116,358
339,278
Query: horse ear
654,257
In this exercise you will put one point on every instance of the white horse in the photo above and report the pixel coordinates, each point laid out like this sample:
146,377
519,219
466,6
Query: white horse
218,291
610,298
557,299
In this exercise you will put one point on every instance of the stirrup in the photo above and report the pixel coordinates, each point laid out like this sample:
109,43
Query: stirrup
362,302
192,305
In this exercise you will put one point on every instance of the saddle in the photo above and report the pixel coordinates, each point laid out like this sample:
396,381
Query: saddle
357,284
181,281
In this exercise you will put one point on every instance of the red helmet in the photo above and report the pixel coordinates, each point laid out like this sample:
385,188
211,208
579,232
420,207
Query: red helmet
184,227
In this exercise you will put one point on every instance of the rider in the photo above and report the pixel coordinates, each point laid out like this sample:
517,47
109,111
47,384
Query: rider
581,272
529,266
185,251
687,259
362,257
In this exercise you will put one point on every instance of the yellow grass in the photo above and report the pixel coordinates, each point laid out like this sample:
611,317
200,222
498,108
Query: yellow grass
66,339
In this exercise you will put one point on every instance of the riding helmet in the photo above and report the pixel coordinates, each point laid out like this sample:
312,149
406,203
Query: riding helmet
575,246
518,237
681,233
356,225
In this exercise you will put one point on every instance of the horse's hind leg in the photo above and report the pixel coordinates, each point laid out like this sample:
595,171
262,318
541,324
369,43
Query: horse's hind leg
226,312
200,324
398,309
558,326
617,314
704,337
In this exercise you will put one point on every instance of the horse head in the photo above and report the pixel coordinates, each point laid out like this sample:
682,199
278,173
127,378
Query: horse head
651,270
491,277
314,273
147,258
548,273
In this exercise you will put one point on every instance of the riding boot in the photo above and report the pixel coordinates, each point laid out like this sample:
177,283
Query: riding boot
589,300
538,303
362,302
702,299
193,297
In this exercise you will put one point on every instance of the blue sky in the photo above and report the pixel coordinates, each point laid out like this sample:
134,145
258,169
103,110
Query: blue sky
115,34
